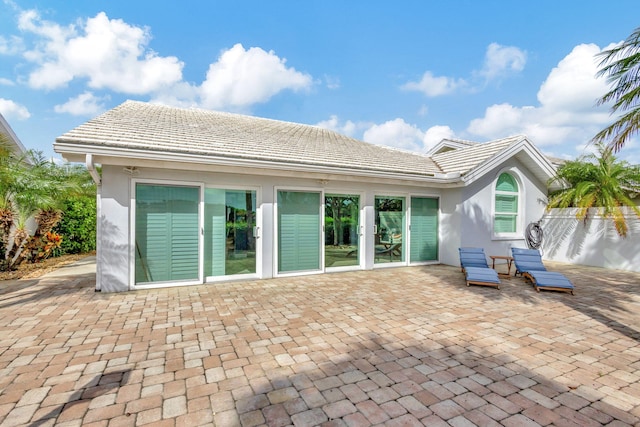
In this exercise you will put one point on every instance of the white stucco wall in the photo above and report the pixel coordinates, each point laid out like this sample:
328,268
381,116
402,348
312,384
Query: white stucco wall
115,257
476,216
595,243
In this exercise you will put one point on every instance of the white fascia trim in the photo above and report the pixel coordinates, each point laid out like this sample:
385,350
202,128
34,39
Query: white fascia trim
75,150
12,135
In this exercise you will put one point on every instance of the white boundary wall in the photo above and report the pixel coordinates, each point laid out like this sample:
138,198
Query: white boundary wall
596,242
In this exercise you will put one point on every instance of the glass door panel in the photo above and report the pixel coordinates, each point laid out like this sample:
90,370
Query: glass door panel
229,242
424,229
390,226
241,241
298,231
341,230
166,233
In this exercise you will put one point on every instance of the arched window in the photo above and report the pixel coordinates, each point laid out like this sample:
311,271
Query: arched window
506,205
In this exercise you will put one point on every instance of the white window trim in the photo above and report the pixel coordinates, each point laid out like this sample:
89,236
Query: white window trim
515,174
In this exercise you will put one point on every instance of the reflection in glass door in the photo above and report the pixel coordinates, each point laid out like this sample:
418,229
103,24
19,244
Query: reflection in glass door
229,242
390,226
341,230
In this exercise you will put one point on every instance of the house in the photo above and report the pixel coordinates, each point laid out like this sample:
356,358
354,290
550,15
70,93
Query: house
13,140
189,196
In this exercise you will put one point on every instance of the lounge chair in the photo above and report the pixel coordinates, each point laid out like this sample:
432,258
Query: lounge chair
529,265
393,250
474,265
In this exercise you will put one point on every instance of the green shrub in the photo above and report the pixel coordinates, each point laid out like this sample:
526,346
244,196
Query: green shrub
78,226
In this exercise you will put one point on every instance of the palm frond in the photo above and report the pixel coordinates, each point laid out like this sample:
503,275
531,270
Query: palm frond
621,66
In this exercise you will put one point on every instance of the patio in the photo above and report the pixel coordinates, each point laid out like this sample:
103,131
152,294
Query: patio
403,346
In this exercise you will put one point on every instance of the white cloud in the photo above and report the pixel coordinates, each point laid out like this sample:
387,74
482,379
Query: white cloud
332,82
396,133
85,104
12,110
347,128
502,60
242,77
433,86
566,113
572,85
110,53
435,134
6,82
499,61
11,46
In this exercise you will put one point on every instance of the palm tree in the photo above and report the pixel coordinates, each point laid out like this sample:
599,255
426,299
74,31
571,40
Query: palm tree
621,65
598,181
6,206
32,187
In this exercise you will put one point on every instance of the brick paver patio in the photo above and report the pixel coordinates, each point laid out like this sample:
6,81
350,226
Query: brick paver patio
395,347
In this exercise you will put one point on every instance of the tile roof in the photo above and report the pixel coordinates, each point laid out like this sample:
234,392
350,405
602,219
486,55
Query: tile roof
466,159
159,128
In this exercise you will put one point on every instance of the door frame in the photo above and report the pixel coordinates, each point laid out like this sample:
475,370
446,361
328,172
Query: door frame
257,234
361,230
132,232
276,230
405,233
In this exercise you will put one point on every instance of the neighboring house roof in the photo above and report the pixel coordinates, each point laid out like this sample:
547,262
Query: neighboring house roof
13,139
142,131
210,134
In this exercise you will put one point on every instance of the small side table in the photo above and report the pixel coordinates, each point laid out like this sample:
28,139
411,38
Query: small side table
504,257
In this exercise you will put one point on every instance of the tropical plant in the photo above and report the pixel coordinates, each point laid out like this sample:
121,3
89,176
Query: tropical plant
621,66
78,225
32,188
598,181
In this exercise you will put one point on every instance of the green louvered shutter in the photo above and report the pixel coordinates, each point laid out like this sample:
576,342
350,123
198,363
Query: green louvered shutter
506,205
424,229
166,233
298,231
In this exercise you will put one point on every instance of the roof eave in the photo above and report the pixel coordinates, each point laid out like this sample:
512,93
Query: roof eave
76,152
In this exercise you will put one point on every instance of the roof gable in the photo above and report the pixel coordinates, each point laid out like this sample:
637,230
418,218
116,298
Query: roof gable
464,160
476,160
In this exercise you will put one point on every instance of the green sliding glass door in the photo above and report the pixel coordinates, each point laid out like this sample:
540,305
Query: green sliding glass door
298,231
229,241
166,233
341,230
390,227
424,229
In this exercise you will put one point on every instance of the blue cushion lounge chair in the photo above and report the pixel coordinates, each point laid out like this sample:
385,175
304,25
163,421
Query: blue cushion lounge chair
475,267
529,265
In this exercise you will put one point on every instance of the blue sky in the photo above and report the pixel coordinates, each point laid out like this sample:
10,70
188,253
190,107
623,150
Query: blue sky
403,73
